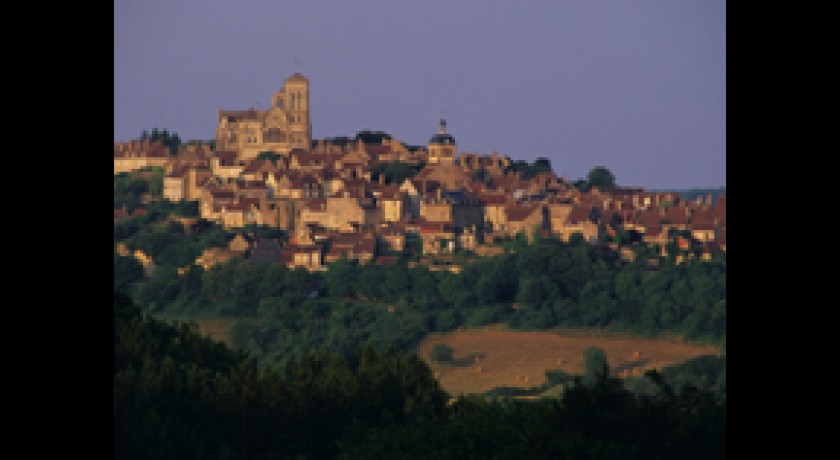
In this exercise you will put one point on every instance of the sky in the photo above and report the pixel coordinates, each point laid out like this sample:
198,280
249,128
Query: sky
636,86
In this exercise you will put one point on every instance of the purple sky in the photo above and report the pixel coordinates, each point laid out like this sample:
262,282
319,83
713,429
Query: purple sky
636,86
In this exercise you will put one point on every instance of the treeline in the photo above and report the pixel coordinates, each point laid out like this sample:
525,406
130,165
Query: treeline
529,170
171,140
550,283
179,395
544,285
395,172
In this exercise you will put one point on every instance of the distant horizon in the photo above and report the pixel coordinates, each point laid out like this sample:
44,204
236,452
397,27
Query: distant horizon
637,88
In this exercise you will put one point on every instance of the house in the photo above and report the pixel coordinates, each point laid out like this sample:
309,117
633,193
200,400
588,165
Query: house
262,169
494,209
437,237
226,165
277,212
214,256
215,199
310,256
193,156
240,213
134,155
525,218
581,219
256,189
360,247
416,190
392,236
702,225
393,203
454,207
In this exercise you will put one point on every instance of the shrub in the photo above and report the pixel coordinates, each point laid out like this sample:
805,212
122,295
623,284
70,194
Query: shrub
441,353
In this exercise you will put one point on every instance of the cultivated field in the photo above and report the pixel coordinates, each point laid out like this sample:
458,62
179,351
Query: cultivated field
217,328
492,357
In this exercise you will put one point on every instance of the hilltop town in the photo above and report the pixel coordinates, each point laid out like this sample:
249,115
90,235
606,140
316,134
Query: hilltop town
334,200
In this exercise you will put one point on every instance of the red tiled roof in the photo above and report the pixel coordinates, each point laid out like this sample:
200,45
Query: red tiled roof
226,157
386,260
376,150
519,212
316,204
580,214
675,215
391,193
222,194
435,227
492,199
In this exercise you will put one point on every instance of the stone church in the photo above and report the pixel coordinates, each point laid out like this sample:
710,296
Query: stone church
281,128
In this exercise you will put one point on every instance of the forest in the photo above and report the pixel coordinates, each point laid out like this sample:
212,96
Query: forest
180,395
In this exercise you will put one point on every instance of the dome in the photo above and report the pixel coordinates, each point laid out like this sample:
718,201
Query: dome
442,139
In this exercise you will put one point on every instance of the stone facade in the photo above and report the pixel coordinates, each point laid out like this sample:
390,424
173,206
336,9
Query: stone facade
283,127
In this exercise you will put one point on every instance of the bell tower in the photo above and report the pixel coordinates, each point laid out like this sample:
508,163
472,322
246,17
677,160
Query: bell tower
442,147
296,105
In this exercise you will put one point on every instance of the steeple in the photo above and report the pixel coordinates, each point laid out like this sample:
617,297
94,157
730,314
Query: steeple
442,126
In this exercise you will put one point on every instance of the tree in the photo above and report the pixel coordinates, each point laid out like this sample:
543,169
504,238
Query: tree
268,155
595,365
600,177
441,353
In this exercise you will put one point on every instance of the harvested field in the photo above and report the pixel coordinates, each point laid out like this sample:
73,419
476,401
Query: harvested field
217,328
484,359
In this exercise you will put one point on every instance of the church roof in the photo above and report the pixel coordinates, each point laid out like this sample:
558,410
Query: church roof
297,77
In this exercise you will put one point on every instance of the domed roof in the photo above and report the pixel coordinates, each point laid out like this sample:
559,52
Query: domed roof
442,137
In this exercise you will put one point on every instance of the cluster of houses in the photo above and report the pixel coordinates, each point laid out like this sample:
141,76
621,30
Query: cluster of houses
333,205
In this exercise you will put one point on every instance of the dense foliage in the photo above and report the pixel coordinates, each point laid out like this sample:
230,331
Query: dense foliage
132,190
171,140
598,176
395,172
529,170
179,395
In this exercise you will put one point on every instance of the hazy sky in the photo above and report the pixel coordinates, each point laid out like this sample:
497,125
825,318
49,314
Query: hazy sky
638,86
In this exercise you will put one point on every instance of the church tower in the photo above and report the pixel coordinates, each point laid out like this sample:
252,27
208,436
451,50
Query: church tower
297,108
442,147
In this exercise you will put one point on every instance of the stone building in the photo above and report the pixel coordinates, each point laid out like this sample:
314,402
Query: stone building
280,129
442,147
